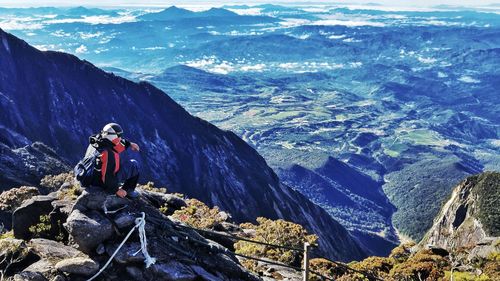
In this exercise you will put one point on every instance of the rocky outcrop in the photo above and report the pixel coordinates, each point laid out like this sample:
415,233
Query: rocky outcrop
28,214
97,223
18,156
469,219
59,100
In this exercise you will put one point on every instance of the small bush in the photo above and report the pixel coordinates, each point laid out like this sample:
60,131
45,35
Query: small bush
54,182
45,229
71,192
465,276
8,234
402,252
325,268
150,186
424,265
375,266
13,198
277,232
197,214
12,251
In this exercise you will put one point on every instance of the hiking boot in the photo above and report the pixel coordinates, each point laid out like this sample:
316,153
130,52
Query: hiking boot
132,194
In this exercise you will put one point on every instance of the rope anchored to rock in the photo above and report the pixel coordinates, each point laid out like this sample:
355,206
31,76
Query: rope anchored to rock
140,224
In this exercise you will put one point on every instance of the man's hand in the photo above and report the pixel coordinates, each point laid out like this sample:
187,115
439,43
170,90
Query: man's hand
121,193
134,146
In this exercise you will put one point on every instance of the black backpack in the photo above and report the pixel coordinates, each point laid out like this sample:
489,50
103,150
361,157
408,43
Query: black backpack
84,170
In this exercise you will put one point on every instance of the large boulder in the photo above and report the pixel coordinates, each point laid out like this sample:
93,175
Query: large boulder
43,267
56,257
127,254
29,213
93,198
158,199
172,271
88,230
29,276
11,199
53,251
79,266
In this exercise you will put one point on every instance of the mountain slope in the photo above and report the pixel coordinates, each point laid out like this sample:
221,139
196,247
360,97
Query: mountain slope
59,100
351,197
470,216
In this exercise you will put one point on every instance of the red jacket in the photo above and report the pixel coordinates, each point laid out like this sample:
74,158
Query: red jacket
108,163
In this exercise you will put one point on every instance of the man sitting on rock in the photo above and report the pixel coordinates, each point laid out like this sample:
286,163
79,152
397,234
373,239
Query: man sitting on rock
112,172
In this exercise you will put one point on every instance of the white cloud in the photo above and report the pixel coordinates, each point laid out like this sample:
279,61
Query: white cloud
247,12
468,79
89,35
427,60
60,33
223,68
81,50
20,24
103,19
257,67
347,23
154,48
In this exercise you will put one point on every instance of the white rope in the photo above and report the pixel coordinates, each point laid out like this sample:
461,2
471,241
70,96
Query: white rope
140,224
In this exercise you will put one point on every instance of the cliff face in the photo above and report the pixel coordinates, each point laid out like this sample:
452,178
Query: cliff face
471,216
59,100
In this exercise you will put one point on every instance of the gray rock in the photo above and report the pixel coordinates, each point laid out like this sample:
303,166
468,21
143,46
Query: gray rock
124,220
63,206
135,273
100,249
172,270
58,278
88,230
54,251
29,213
79,266
205,275
29,276
160,199
482,251
126,253
43,267
224,216
93,198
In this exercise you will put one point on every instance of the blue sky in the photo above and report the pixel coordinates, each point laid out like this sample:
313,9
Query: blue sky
26,3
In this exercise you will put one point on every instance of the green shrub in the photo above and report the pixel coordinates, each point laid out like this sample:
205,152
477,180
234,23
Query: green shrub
197,214
45,229
325,268
13,198
54,182
71,192
375,266
424,265
150,186
402,252
277,232
12,251
465,276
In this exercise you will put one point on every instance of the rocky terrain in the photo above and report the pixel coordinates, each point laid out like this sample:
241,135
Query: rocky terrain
470,218
63,236
69,233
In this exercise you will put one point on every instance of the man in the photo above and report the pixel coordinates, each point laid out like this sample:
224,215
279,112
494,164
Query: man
111,171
